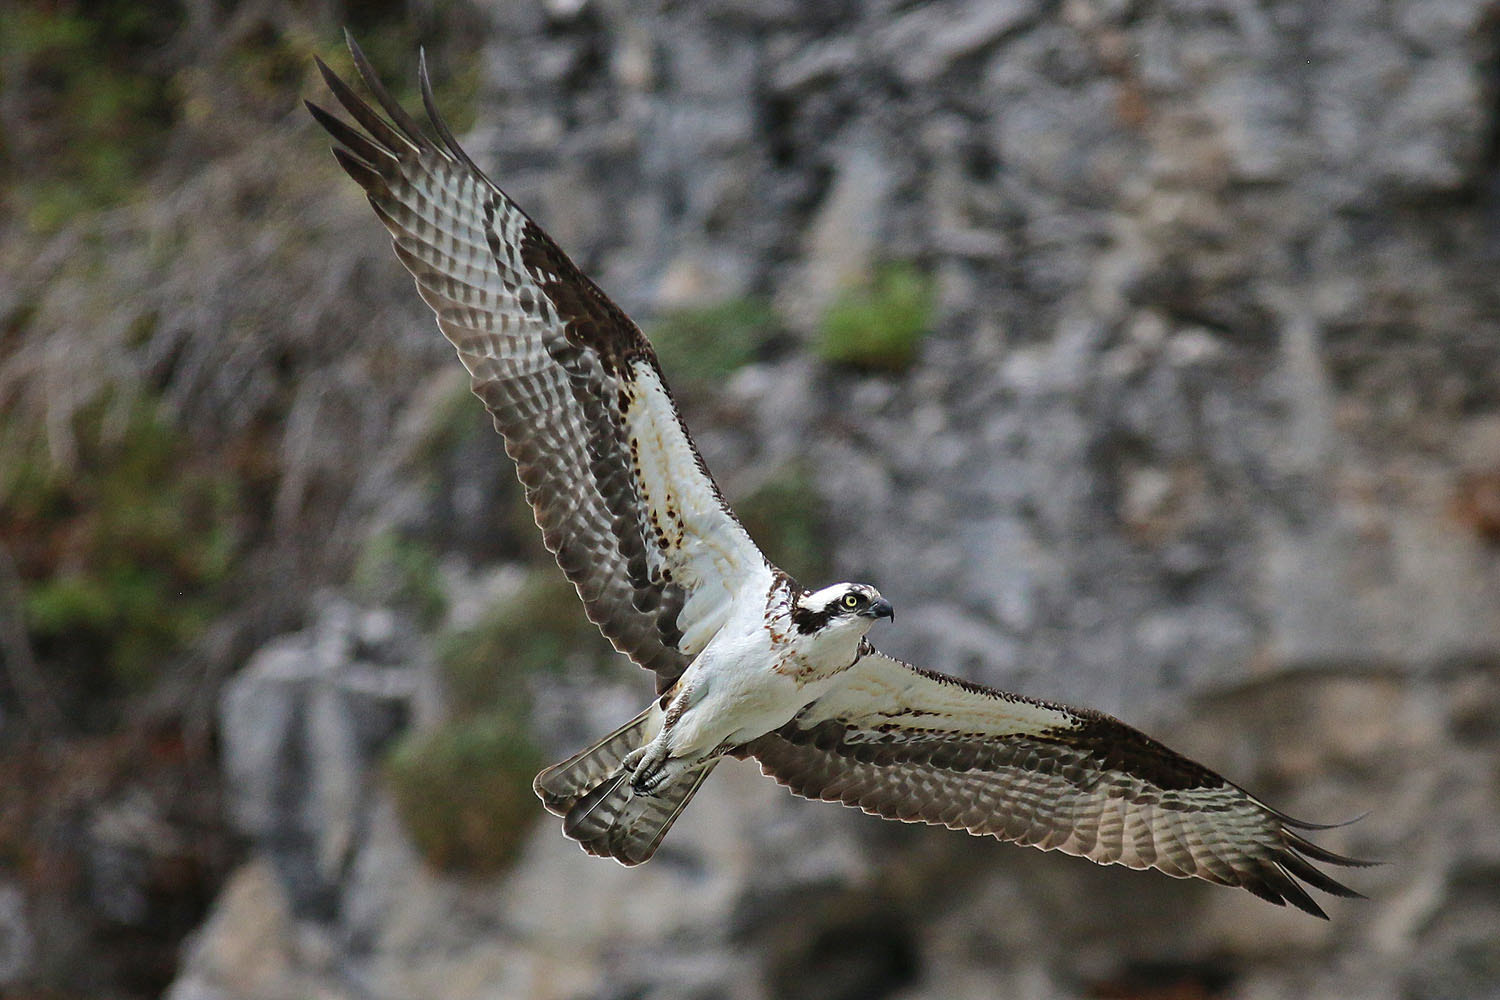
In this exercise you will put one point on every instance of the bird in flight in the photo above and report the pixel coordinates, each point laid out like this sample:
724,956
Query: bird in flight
748,662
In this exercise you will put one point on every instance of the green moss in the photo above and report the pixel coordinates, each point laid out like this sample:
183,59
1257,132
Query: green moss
786,516
456,419
104,114
126,558
393,568
463,790
539,630
702,346
879,326
103,83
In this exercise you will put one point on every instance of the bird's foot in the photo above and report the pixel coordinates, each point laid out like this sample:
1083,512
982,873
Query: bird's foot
648,767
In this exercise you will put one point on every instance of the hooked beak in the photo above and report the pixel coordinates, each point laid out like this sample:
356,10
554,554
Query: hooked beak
879,608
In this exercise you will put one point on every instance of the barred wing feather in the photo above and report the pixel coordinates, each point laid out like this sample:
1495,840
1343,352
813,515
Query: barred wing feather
623,499
908,744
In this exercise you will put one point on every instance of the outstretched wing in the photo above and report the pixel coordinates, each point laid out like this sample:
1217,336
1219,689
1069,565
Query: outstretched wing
623,499
917,746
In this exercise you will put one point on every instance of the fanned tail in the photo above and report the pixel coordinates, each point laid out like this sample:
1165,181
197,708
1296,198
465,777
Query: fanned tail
614,821
600,810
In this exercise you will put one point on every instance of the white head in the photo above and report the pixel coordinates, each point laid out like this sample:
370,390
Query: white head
844,610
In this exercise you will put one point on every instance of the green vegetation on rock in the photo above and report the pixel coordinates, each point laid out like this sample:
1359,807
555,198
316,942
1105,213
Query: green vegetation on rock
92,82
785,515
393,568
103,114
124,557
879,326
463,790
703,345
539,630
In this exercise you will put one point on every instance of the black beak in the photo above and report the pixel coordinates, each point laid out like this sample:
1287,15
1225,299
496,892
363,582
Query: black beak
879,608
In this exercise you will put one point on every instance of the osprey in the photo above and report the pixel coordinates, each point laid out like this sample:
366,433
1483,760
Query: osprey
749,663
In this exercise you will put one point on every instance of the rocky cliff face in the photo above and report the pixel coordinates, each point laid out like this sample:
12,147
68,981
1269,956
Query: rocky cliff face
1206,433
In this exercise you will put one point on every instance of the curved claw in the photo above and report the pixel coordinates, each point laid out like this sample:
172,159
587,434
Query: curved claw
648,765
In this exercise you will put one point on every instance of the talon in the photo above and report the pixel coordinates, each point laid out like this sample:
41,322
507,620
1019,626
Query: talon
648,784
647,769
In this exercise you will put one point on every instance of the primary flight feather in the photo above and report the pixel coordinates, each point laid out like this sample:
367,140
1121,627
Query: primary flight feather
748,662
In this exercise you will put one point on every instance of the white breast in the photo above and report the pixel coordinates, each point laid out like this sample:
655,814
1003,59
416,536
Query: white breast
737,691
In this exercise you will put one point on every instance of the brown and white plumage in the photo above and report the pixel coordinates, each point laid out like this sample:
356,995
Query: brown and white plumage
748,663
919,746
622,498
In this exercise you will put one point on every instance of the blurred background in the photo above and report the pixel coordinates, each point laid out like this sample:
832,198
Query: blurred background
1145,353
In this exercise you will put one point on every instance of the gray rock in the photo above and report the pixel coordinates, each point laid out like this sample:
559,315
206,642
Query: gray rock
17,942
818,64
250,946
1195,442
929,40
843,239
302,728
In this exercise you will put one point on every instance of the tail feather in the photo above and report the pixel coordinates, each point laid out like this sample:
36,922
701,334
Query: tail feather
600,810
614,821
585,818
645,838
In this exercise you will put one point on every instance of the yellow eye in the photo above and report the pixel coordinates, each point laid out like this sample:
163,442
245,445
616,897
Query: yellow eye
851,601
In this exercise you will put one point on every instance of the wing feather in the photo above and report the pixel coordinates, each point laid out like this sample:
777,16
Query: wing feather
618,488
912,745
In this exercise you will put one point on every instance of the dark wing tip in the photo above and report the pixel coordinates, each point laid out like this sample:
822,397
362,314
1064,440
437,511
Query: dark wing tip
1295,841
364,175
1278,875
1271,881
401,132
378,129
1301,845
327,74
404,121
1298,866
395,134
429,101
355,141
1302,824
